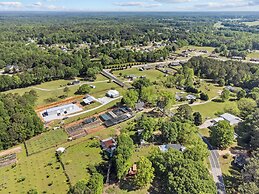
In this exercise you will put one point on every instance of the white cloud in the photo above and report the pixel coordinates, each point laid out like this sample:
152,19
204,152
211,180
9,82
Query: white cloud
173,1
228,5
136,4
11,4
43,7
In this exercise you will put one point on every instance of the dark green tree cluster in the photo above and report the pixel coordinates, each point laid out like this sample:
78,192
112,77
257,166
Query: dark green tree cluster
181,175
93,186
83,89
230,72
18,120
222,134
123,153
249,175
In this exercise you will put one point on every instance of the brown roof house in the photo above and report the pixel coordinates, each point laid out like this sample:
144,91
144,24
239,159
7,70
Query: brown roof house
109,145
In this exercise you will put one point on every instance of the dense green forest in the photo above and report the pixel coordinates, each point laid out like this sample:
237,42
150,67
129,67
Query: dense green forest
226,72
44,47
18,120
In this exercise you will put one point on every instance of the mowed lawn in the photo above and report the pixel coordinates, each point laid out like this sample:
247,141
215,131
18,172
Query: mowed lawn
40,171
209,49
211,89
254,23
209,109
78,157
151,74
254,54
55,89
46,140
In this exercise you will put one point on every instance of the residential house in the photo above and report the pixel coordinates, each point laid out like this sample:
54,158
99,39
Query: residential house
109,145
165,148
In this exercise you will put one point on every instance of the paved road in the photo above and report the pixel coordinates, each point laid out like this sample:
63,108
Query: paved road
86,111
107,74
194,104
215,167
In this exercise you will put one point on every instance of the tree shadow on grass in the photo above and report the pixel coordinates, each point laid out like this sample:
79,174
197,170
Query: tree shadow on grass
217,100
233,180
127,185
157,187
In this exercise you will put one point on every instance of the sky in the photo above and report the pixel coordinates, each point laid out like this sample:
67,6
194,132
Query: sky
129,5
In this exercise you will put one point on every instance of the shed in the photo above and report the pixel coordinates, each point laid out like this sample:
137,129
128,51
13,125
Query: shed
89,99
61,150
113,94
191,97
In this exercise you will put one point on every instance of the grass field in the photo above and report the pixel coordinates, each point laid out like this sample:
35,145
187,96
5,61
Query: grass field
54,89
103,87
254,23
204,132
40,171
46,140
254,54
210,89
151,74
88,153
209,109
210,49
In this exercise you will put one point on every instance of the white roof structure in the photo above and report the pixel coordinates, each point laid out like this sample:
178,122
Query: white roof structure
89,99
61,150
59,109
190,97
165,148
113,93
232,119
217,119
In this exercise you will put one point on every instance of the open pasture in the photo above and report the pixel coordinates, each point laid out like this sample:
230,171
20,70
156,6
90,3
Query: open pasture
46,141
151,74
40,171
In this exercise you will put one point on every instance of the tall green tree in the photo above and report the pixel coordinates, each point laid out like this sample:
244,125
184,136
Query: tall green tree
225,95
131,98
249,175
165,101
123,153
184,112
145,173
222,134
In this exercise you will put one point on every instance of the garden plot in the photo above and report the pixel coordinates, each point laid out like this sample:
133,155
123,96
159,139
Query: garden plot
7,160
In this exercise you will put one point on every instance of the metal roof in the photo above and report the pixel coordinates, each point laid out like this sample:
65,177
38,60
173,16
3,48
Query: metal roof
232,119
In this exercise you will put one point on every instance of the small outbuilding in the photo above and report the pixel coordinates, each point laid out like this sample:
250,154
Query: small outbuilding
89,100
191,97
60,150
113,94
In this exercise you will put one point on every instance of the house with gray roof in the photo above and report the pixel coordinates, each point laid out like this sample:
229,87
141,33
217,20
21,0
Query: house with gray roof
232,119
165,148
